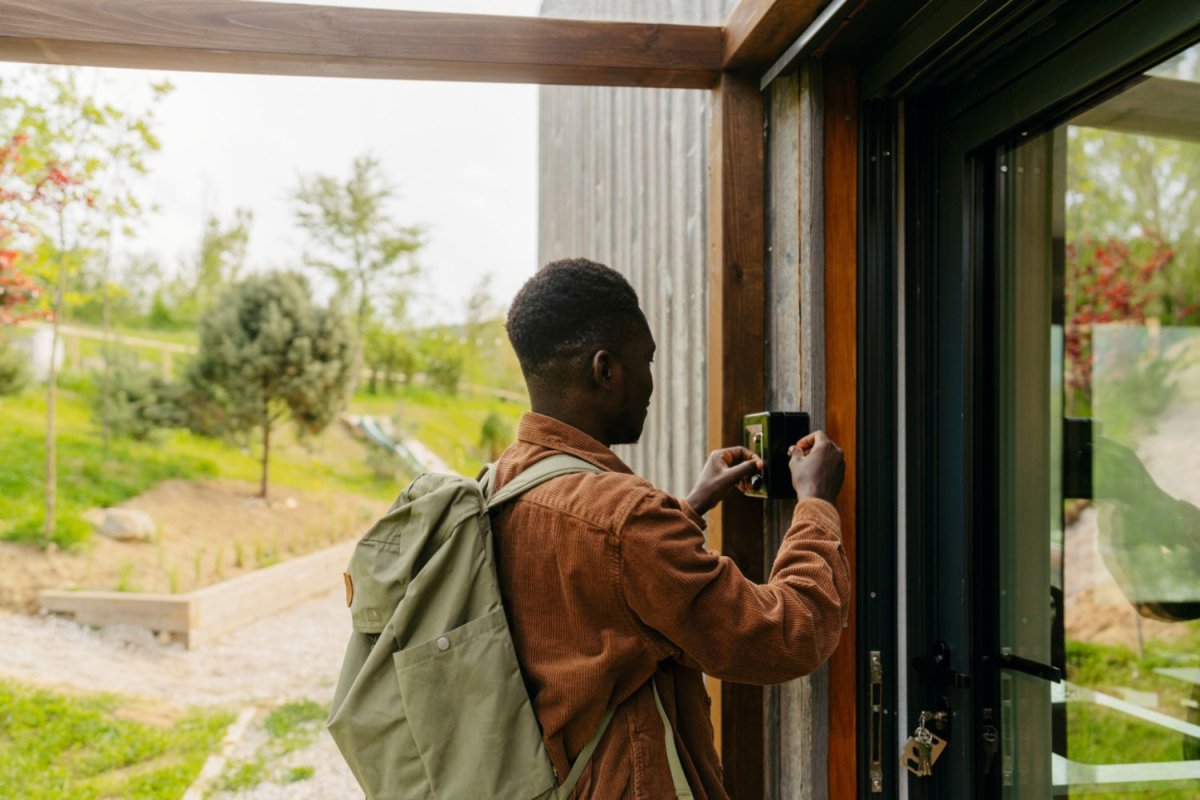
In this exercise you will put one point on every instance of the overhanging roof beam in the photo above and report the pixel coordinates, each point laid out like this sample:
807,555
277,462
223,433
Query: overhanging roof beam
814,35
757,31
294,39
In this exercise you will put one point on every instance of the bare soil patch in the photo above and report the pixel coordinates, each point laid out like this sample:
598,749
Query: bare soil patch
208,531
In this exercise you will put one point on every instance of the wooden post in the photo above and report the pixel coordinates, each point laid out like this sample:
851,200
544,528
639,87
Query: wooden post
797,729
736,383
841,376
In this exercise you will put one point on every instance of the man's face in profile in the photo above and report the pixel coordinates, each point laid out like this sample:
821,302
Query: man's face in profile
636,387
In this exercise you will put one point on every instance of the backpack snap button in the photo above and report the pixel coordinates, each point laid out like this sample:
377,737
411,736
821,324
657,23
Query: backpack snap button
443,643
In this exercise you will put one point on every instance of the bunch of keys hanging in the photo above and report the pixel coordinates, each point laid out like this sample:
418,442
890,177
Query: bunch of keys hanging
924,747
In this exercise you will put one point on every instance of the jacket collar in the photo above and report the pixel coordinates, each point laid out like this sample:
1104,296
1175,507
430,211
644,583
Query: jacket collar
552,434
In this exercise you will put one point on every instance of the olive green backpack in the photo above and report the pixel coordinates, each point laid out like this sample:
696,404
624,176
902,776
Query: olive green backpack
430,702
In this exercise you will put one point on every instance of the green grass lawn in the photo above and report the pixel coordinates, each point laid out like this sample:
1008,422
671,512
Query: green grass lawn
60,747
290,727
89,476
1098,735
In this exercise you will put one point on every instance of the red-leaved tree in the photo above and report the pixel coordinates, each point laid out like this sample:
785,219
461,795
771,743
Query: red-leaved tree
19,293
1108,280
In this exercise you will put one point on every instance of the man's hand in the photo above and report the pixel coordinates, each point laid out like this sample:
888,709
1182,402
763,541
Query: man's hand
817,466
724,470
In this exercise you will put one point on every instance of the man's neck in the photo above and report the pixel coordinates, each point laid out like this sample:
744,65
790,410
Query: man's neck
574,417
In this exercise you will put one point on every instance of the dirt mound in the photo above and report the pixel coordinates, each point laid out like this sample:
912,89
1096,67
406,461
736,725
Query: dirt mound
207,531
1103,616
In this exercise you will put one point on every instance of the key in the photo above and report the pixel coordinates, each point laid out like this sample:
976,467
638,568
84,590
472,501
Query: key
924,757
911,759
923,748
936,746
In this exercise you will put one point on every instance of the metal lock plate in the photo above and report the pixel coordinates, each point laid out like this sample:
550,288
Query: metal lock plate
769,434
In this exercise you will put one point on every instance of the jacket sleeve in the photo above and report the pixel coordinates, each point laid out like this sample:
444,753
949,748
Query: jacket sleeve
723,623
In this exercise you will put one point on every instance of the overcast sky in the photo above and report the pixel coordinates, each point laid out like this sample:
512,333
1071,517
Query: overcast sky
464,157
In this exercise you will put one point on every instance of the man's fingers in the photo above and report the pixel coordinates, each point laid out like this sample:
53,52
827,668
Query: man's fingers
745,469
736,455
814,439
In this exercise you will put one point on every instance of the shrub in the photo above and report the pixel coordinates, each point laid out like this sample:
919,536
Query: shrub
140,402
14,369
382,464
444,371
494,436
387,354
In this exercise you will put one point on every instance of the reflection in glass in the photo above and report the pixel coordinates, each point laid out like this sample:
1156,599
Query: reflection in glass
1131,384
1099,433
1184,67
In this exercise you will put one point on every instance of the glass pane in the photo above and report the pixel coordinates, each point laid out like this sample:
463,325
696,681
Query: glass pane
1184,67
1100,369
692,12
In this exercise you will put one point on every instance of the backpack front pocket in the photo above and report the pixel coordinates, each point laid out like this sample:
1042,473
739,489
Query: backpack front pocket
470,715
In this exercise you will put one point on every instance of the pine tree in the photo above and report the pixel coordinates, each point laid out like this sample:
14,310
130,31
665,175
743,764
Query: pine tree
268,353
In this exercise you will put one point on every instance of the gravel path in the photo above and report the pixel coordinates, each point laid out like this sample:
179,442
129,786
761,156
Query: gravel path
291,656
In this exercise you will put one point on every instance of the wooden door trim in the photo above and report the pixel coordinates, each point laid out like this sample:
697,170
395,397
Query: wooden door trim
736,365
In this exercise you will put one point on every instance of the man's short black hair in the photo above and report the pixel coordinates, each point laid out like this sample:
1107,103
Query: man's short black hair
571,308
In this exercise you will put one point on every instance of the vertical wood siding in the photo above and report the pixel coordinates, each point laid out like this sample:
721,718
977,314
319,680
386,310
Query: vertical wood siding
797,712
622,177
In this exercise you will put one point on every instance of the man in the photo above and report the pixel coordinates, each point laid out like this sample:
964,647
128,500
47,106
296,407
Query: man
607,581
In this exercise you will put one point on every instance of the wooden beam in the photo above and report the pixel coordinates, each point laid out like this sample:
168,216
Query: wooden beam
841,392
757,31
736,380
293,39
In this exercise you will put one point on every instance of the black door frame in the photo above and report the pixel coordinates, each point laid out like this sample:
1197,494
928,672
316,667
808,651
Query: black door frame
990,74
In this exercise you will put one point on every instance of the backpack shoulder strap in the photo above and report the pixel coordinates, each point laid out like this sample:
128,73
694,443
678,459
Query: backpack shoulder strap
678,777
485,477
552,467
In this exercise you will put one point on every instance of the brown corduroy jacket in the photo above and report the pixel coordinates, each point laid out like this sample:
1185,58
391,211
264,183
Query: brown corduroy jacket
607,583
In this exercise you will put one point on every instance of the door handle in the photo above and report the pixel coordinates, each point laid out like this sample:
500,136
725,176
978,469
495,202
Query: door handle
1037,669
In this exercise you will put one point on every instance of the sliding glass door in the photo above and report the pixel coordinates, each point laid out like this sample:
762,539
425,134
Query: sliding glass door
1096,374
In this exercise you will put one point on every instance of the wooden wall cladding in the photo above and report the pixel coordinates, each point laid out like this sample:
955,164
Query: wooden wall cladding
841,376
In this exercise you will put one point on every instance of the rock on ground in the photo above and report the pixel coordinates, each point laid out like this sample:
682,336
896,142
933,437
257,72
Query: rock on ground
127,525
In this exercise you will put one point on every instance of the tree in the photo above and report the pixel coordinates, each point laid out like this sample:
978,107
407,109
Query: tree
78,153
267,353
19,293
1108,280
387,353
219,263
479,309
352,238
1126,186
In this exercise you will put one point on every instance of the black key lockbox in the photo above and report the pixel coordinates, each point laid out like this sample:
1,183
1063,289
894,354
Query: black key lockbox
769,434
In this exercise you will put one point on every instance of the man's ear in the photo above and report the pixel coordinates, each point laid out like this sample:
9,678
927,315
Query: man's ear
602,368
